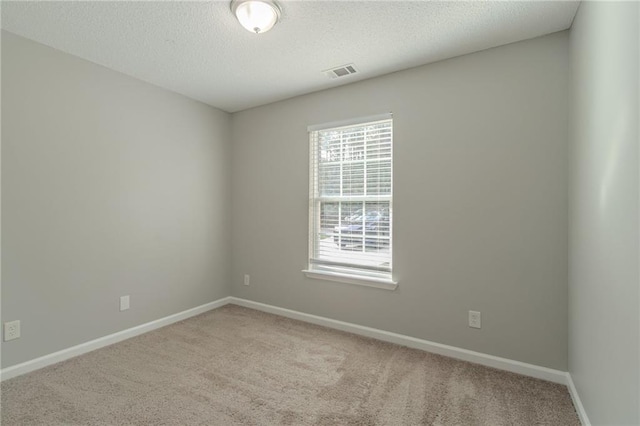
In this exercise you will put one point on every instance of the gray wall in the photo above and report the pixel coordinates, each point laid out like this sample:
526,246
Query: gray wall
110,186
604,357
480,208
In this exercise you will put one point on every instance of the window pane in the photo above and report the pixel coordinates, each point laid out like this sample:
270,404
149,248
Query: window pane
379,177
353,178
353,146
329,216
361,236
376,224
350,211
329,179
329,147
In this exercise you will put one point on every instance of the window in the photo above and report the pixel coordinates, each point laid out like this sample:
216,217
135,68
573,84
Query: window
351,202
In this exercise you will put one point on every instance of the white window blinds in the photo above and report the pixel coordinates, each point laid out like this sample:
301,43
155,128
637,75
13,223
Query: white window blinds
351,199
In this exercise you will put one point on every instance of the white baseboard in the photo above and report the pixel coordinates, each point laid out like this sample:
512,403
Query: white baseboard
44,361
577,403
505,364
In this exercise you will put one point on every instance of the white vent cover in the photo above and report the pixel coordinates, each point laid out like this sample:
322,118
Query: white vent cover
341,71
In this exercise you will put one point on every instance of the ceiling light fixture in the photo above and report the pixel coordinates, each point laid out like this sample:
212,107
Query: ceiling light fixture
257,16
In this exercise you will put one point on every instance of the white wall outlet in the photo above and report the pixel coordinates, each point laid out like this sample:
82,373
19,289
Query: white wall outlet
11,330
247,279
124,303
474,319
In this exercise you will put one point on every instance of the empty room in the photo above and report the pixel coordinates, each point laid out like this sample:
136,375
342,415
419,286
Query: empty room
279,212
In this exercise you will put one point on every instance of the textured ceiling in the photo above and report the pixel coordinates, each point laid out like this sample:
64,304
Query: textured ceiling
200,50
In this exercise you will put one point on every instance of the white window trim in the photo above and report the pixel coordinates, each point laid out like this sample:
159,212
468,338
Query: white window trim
350,122
364,279
351,279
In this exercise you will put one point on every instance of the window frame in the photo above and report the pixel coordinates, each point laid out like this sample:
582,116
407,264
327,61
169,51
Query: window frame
331,270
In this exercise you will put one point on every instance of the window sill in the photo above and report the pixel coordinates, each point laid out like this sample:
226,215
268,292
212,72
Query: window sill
352,279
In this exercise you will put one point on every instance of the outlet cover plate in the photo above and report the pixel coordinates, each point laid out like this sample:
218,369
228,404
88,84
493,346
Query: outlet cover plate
124,303
474,319
11,330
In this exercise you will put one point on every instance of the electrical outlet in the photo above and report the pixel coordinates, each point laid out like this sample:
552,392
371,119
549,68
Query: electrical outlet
124,303
11,330
247,279
474,319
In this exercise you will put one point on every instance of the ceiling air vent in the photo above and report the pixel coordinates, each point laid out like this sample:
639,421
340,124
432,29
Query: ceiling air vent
341,71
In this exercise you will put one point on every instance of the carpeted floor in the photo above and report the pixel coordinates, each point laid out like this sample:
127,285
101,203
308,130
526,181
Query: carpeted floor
237,366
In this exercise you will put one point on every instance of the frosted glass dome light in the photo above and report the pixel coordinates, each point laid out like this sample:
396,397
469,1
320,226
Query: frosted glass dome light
257,16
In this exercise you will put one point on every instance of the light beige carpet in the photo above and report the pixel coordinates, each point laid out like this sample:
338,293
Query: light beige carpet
237,366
